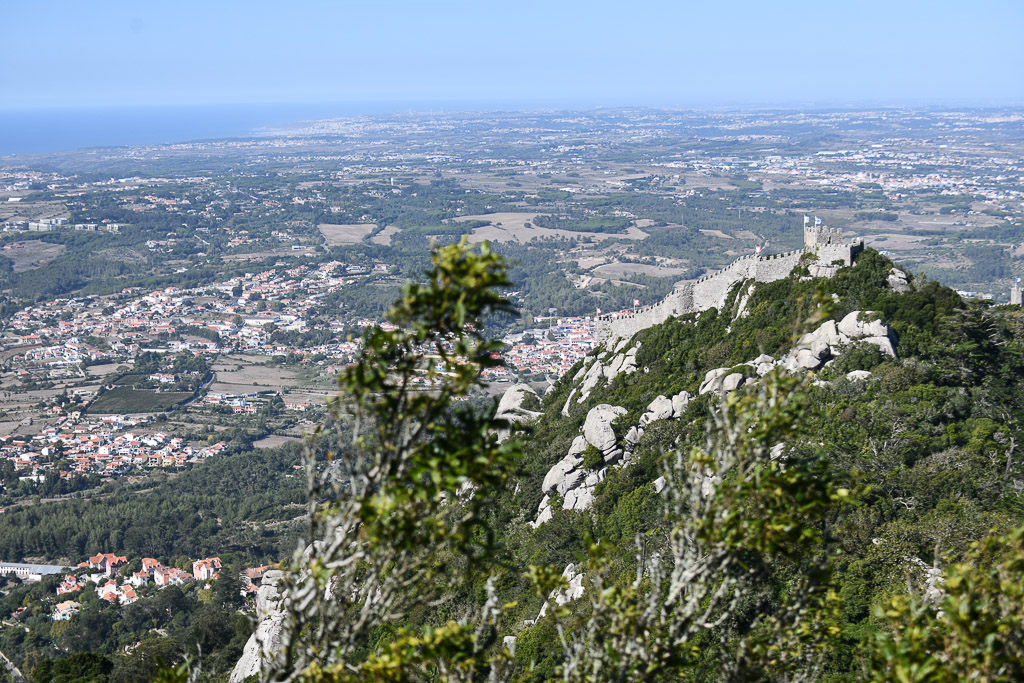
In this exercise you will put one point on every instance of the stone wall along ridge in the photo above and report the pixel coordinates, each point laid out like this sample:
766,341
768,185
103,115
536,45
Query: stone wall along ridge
711,290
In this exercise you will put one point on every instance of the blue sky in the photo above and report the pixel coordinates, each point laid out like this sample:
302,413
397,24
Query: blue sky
681,53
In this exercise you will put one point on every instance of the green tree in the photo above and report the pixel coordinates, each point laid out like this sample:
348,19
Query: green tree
970,626
402,525
82,667
227,587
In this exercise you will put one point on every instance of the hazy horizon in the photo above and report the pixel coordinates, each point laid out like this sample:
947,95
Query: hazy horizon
531,55
64,129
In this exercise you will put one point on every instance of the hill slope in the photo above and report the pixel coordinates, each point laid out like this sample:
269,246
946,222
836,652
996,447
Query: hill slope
919,413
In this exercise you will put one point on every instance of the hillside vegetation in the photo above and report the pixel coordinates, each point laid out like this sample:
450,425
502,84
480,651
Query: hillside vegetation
808,525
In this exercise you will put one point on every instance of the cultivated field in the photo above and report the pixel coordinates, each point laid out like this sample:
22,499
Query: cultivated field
274,440
102,370
229,378
715,233
127,400
338,234
384,236
276,253
511,227
31,254
614,270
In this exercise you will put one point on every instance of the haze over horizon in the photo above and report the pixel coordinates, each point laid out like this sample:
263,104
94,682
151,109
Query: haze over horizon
468,54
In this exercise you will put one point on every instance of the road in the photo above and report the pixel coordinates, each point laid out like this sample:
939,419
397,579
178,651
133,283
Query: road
13,670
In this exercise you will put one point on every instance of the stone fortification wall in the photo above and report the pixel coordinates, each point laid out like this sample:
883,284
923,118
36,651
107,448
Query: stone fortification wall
711,290
819,235
777,266
625,325
839,252
707,291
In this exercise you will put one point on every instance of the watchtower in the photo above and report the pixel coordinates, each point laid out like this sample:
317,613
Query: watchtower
821,236
828,243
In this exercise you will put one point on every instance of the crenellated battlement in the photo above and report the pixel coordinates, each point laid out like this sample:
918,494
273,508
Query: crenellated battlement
711,290
821,236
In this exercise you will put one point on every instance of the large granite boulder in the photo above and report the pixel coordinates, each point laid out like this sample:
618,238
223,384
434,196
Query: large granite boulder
898,281
732,382
590,380
544,512
512,400
659,409
510,408
578,499
597,428
557,476
712,380
679,403
884,345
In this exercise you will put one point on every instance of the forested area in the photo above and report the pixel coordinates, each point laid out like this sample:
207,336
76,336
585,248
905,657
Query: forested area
237,503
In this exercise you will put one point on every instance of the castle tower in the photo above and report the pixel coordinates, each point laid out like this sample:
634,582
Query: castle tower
1017,294
810,237
828,243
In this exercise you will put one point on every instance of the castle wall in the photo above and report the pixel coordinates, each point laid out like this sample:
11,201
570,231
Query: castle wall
839,252
777,266
625,325
710,291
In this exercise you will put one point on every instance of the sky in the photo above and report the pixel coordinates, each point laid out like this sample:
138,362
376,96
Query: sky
679,53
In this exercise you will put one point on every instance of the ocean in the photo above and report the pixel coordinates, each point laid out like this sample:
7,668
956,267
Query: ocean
37,131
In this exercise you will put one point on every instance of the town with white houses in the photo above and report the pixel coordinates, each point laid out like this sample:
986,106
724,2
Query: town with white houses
108,575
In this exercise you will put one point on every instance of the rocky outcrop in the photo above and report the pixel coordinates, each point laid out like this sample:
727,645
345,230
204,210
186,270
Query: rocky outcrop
597,428
266,640
930,579
721,380
898,281
732,382
510,408
605,368
762,365
659,409
568,478
558,476
544,512
712,380
561,596
741,309
679,403
575,483
815,349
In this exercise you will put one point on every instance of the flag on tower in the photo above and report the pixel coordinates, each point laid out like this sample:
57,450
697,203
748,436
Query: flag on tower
807,219
599,311
636,302
1018,280
817,221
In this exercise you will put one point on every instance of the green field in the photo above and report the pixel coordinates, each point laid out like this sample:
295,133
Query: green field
128,400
